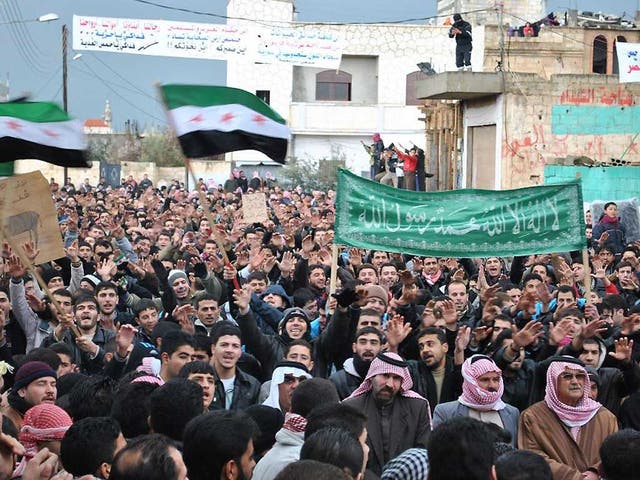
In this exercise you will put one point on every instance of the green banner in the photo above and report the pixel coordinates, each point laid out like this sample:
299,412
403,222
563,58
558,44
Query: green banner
459,223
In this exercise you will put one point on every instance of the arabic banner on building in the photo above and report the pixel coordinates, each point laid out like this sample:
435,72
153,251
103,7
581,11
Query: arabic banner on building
459,223
628,61
294,45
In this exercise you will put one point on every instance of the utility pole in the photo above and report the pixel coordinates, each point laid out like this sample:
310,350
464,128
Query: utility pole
65,41
501,27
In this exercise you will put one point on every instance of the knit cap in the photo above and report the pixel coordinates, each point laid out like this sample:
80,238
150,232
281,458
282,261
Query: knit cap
92,279
49,274
175,275
31,371
376,291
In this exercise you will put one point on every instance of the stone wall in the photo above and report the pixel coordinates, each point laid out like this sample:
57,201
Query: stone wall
218,171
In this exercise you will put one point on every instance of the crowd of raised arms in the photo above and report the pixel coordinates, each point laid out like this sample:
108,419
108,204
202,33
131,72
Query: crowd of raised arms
176,341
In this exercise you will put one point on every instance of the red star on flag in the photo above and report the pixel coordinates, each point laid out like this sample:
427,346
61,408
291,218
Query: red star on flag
227,117
13,125
50,133
197,119
259,119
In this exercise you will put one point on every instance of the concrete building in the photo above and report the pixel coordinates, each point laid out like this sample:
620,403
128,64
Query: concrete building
557,102
330,112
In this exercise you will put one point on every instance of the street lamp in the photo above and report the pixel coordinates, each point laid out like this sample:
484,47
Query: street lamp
47,17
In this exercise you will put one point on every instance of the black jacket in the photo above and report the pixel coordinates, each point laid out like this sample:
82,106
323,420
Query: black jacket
462,39
83,360
425,385
246,390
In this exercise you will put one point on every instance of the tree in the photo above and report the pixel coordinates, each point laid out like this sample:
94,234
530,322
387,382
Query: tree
313,174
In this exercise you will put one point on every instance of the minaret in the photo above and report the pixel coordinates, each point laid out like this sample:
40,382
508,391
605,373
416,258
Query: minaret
107,114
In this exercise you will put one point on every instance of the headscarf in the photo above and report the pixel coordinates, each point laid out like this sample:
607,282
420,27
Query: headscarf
571,416
473,395
151,367
282,369
376,137
43,423
412,464
388,362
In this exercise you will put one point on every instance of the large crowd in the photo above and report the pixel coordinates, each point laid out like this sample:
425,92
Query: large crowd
175,341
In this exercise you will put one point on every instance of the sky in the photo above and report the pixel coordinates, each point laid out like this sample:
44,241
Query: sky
31,53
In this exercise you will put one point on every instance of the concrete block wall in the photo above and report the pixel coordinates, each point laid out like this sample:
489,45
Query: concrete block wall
551,122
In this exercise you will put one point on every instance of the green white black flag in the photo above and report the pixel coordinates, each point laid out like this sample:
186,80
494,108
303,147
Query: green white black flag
211,120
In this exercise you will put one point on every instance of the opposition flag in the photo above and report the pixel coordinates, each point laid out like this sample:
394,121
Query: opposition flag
41,131
211,120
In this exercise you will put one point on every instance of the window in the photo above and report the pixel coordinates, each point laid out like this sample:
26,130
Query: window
332,85
412,78
615,53
599,64
264,95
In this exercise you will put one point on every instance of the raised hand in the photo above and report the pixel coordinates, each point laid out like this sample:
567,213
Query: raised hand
559,331
182,314
462,339
286,264
528,335
397,331
72,252
242,299
307,245
124,339
624,349
31,252
449,312
14,267
594,328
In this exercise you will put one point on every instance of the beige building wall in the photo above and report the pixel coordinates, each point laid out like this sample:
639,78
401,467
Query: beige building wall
535,107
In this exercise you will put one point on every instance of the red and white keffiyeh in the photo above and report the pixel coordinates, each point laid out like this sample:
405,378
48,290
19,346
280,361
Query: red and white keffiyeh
43,423
584,410
388,363
473,395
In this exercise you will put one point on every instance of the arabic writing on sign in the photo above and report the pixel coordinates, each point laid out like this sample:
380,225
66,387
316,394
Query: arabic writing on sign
514,218
300,46
296,46
159,37
459,223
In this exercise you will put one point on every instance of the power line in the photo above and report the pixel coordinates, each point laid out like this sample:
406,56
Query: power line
116,93
15,37
25,37
128,82
46,83
270,23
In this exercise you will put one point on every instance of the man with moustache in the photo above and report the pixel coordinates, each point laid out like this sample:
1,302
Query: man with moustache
481,398
83,335
397,417
436,376
35,383
567,427
367,345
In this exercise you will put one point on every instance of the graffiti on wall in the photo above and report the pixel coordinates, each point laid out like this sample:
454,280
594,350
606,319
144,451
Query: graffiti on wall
599,123
602,95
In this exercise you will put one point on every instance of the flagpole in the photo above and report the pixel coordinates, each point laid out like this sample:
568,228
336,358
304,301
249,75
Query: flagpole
334,272
203,199
585,261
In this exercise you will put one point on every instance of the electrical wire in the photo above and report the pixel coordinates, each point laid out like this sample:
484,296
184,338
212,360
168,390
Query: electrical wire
128,82
46,83
15,37
298,24
116,93
42,59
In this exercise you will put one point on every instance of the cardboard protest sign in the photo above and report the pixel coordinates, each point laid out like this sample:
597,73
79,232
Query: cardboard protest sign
28,214
254,208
